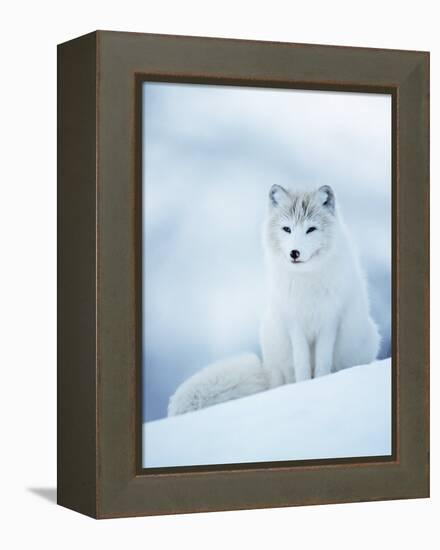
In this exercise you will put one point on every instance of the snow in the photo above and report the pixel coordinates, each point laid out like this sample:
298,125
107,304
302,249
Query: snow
346,414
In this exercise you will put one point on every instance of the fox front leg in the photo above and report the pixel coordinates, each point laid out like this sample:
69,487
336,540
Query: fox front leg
324,348
276,349
301,356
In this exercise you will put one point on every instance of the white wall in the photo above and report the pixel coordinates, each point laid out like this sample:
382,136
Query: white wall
30,31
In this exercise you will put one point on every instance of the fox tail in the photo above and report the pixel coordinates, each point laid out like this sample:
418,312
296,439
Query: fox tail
219,382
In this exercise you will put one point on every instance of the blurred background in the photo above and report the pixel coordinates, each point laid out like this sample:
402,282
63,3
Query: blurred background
210,155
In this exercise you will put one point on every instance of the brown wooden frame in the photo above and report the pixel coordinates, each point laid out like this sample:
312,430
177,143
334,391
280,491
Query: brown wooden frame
99,291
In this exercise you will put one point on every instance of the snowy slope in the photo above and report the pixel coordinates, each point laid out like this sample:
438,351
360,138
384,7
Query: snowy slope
346,414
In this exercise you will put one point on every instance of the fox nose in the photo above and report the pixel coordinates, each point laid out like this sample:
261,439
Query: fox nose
294,254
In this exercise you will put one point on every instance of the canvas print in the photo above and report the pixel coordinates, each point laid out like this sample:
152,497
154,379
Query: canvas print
266,275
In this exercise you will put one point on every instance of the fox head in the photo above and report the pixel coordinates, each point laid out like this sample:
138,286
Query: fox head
300,226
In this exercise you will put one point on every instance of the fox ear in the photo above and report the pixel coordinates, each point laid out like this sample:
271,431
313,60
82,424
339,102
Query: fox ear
327,196
278,196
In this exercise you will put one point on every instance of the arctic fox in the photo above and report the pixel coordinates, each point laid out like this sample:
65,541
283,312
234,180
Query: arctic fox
317,318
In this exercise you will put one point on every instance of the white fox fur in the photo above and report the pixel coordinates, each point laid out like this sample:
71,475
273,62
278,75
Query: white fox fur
221,381
317,318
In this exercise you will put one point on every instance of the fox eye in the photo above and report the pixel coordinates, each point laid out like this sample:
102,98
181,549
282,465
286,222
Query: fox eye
287,229
310,229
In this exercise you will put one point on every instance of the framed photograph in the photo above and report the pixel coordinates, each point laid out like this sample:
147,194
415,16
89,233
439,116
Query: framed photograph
243,274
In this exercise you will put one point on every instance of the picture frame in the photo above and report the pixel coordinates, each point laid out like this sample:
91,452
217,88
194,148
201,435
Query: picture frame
100,287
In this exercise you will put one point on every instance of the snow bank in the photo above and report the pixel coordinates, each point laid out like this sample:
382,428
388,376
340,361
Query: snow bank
347,414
